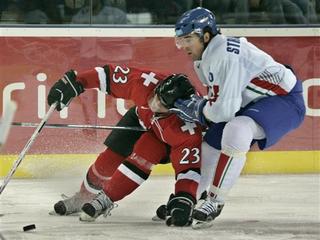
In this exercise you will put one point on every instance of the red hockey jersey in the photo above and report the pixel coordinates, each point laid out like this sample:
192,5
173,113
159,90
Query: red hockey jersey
138,85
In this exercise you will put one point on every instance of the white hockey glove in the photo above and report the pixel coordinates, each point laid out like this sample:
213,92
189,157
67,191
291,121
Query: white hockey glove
64,90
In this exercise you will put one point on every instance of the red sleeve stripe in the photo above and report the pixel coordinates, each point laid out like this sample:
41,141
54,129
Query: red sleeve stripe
269,86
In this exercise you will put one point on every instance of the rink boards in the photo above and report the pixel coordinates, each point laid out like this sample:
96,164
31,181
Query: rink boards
62,165
34,58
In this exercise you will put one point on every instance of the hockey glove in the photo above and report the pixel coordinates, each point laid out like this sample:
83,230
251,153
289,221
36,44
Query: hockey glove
179,210
64,90
190,110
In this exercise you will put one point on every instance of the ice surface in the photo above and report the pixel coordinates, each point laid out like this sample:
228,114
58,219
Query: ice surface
268,207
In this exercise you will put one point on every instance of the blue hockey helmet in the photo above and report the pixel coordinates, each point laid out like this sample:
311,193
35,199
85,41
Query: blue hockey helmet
195,21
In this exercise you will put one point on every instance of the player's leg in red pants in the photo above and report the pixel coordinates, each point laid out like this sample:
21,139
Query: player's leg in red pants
100,171
120,145
132,172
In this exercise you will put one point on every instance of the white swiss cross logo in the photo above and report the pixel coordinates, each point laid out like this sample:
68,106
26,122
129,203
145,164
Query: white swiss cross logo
189,126
149,78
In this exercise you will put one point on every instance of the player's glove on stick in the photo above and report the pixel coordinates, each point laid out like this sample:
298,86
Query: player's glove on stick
64,90
179,210
190,110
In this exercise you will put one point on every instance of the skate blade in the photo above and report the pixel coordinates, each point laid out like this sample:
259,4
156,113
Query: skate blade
53,213
86,218
157,219
201,225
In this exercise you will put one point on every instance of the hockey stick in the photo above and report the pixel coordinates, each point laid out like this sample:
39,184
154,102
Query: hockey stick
76,126
27,146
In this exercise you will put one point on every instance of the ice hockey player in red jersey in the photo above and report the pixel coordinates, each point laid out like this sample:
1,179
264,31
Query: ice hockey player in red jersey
128,159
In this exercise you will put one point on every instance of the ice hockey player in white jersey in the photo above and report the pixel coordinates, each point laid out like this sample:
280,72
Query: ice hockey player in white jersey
251,98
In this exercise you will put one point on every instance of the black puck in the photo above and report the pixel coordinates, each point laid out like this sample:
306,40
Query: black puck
29,227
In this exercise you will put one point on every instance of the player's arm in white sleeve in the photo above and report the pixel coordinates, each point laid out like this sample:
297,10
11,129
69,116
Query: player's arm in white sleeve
227,98
224,95
6,120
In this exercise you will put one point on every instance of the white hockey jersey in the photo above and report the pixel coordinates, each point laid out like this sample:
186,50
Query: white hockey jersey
236,73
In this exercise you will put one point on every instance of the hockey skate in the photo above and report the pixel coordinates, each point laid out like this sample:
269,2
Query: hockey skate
101,204
161,212
204,215
71,205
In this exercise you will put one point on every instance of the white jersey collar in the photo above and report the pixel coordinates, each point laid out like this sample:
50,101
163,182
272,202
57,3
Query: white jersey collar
215,42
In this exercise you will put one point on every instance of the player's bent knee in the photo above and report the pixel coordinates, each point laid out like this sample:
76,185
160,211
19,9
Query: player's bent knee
237,135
